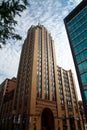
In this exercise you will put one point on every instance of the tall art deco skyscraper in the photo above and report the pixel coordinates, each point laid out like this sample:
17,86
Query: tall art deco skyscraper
36,100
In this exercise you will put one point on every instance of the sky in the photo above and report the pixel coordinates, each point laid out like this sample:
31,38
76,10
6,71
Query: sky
49,13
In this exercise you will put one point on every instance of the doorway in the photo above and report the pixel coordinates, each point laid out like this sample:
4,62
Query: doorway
47,120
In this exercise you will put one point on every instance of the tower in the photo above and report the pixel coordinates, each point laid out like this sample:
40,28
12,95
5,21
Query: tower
76,27
36,100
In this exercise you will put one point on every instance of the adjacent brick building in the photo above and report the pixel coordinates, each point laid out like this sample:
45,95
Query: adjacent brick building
71,118
6,100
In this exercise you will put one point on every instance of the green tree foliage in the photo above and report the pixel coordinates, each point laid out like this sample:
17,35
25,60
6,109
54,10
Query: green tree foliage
8,10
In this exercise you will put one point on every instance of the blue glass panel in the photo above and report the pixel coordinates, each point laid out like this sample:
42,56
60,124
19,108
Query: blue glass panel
80,46
84,78
78,30
79,38
81,56
85,93
77,16
77,25
83,66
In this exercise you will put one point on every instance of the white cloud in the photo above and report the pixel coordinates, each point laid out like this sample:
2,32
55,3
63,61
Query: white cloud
8,62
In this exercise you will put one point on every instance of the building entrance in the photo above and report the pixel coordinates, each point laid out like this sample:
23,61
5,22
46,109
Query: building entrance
47,120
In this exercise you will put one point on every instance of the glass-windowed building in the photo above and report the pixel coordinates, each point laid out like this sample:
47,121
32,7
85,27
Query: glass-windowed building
76,27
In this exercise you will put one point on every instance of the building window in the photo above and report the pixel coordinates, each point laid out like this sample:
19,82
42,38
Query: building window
85,93
82,66
84,78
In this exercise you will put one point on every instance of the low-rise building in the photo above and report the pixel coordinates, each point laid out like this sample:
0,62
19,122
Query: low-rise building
6,100
69,102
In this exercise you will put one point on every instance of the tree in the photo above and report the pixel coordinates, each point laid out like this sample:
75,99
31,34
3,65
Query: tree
8,10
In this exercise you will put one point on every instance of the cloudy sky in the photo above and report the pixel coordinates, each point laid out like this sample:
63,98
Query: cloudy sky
49,13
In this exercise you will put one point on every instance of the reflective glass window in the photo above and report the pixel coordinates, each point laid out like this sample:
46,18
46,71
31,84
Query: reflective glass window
78,30
78,23
81,56
80,37
84,78
82,66
78,16
85,93
80,46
